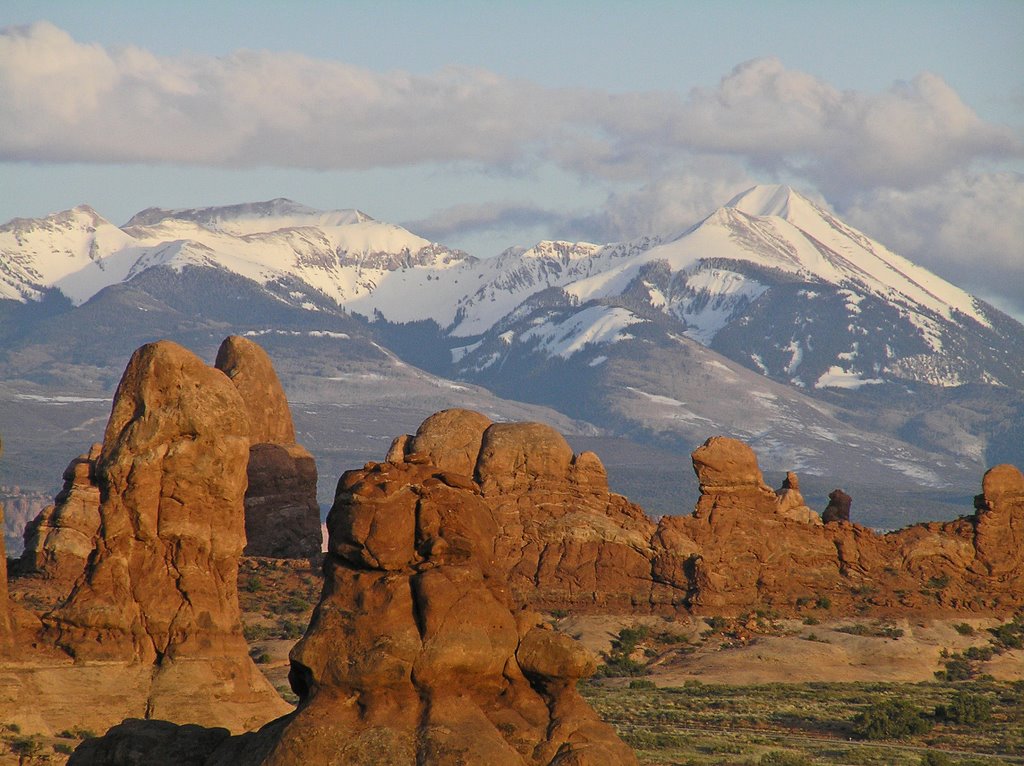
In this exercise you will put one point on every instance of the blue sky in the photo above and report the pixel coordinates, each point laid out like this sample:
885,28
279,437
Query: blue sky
485,124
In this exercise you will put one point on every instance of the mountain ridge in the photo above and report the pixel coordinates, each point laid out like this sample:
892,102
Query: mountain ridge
569,325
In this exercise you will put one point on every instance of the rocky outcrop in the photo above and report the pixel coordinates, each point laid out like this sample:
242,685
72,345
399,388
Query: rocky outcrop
59,540
999,523
746,551
563,539
282,516
416,654
838,508
567,543
791,502
416,628
158,593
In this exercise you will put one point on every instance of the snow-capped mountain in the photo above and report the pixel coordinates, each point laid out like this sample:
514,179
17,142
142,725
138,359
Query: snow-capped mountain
303,256
872,351
77,252
771,279
781,285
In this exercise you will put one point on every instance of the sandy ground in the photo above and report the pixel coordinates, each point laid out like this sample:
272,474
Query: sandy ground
793,657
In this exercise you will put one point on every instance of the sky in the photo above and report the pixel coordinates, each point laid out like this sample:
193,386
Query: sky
484,125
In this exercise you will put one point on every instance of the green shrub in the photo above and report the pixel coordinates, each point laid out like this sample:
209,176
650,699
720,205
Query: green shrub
890,719
933,758
63,748
255,632
253,584
964,629
966,708
290,629
26,747
260,657
619,661
1008,636
823,602
957,669
642,683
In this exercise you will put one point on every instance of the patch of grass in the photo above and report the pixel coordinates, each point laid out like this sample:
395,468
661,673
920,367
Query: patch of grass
784,758
719,725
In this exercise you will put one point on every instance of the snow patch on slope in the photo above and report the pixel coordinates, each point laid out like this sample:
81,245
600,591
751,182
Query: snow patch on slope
595,325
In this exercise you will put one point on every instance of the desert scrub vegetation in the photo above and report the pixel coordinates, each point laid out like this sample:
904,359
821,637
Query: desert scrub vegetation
878,630
967,664
277,597
815,723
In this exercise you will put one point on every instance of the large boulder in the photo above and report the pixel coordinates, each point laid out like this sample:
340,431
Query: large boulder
282,515
838,508
59,541
159,589
249,368
450,439
730,478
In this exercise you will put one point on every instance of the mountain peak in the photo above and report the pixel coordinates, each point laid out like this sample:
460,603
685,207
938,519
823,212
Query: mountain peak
768,200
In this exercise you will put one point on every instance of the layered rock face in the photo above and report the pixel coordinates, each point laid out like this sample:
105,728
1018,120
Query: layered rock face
415,654
567,543
747,548
999,524
563,539
59,540
282,516
159,590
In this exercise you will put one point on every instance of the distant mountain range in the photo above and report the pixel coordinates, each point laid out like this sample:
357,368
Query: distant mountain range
770,320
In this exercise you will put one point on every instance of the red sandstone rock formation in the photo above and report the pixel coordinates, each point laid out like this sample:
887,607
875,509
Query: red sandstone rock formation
567,543
159,590
564,540
282,516
745,552
838,507
416,654
791,502
59,540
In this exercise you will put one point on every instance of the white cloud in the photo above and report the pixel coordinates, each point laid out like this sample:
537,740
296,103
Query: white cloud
666,205
68,101
901,163
969,228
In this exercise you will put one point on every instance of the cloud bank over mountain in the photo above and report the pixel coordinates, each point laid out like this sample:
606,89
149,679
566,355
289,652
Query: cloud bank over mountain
906,163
